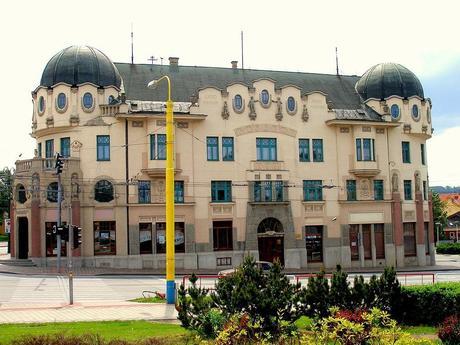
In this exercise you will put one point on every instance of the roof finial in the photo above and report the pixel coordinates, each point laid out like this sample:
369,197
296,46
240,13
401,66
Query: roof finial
132,44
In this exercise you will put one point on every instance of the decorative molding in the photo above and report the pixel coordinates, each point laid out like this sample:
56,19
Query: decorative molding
407,128
76,145
225,113
137,124
344,130
279,110
50,121
305,115
366,129
74,119
254,128
380,130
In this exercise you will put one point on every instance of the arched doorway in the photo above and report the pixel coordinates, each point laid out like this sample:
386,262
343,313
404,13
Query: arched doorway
23,238
270,235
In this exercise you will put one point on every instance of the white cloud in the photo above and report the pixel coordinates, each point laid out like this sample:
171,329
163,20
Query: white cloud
443,162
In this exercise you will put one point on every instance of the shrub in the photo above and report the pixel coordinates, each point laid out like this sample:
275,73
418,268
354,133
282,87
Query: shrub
449,331
317,296
87,339
429,304
340,295
448,248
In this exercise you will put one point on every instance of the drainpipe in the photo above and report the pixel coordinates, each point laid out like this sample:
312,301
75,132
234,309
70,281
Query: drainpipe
127,184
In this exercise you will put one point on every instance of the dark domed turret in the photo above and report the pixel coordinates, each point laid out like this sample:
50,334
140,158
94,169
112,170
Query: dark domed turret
76,65
388,79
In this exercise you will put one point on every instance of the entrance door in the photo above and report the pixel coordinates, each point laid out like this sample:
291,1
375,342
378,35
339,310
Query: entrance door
271,248
23,238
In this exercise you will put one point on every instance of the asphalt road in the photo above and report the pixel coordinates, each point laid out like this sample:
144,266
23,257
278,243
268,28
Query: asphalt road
17,289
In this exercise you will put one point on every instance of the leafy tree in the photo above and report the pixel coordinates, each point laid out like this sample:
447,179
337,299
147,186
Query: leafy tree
439,214
6,190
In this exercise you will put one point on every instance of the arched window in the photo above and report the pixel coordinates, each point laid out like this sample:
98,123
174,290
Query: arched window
103,191
21,195
394,111
52,192
270,224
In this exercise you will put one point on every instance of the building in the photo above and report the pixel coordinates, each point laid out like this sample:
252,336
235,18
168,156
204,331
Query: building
452,229
312,169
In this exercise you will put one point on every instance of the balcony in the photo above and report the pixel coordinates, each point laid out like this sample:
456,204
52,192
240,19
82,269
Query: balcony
109,109
45,165
364,168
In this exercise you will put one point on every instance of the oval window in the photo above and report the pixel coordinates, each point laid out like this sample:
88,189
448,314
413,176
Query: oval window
103,191
88,100
61,101
291,104
264,97
21,196
415,114
110,100
238,102
41,104
395,111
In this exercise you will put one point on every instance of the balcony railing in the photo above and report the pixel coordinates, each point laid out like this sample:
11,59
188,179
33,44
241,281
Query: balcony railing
45,164
109,110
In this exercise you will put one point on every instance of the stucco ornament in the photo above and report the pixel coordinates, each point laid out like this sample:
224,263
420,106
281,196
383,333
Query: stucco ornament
305,114
417,181
225,113
365,188
252,109
35,186
395,182
76,145
279,110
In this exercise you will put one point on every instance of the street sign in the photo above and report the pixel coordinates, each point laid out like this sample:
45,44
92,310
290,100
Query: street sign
7,223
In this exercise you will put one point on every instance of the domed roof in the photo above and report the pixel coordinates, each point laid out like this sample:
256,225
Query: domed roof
388,79
80,64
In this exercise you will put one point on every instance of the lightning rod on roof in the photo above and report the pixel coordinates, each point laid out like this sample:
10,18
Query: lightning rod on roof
132,44
336,61
242,51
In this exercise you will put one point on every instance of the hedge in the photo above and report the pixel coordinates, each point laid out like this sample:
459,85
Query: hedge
429,304
448,248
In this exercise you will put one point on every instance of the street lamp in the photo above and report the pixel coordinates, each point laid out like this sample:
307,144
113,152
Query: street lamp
170,283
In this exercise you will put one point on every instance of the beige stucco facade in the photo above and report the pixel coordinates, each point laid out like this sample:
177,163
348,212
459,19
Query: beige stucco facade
332,218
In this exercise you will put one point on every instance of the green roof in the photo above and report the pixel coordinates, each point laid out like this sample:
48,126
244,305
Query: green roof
186,80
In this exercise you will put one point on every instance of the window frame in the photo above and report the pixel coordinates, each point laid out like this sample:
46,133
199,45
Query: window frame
85,100
179,194
304,150
218,187
395,116
409,239
317,150
103,148
104,191
351,190
49,148
228,149
65,147
312,190
365,149
147,228
107,227
222,235
405,147
378,190
314,242
212,148
266,147
422,153
407,184
144,188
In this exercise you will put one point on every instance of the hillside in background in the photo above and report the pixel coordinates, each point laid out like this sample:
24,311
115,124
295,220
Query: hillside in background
446,189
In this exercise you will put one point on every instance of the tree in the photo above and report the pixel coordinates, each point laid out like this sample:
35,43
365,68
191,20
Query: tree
6,190
439,214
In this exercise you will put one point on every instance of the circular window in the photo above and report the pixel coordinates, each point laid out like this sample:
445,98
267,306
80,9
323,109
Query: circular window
52,192
415,113
41,105
87,100
103,191
291,105
61,101
264,98
238,103
395,111
21,196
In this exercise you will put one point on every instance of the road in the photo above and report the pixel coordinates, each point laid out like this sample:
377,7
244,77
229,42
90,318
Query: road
33,290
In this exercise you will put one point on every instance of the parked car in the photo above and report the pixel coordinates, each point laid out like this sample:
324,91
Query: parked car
264,265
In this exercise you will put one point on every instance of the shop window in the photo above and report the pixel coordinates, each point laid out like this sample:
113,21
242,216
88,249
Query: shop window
104,238
51,240
179,237
314,243
367,242
354,241
409,239
379,236
222,235
145,238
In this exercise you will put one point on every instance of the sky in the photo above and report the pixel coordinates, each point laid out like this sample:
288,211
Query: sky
288,35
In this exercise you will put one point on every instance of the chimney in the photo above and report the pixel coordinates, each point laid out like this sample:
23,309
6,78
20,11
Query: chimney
234,64
173,61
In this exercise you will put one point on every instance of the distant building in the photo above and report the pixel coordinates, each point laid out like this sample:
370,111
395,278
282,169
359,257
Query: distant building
312,169
452,230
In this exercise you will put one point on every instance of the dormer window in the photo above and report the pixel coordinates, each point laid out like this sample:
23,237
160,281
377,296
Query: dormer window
415,112
87,101
291,105
41,105
61,101
394,112
238,103
265,98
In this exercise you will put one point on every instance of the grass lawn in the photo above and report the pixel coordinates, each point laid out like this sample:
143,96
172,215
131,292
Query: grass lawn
127,330
148,300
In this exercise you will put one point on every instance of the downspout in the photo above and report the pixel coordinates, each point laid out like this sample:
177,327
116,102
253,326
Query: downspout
127,183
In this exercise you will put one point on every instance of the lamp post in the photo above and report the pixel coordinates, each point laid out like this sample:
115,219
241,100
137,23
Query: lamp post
170,263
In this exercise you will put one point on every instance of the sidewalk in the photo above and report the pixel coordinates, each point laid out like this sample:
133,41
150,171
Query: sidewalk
109,311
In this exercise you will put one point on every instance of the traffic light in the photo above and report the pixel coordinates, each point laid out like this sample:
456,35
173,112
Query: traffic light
63,230
59,163
76,237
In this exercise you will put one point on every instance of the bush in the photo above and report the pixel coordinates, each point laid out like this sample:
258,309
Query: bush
317,296
448,248
449,331
429,304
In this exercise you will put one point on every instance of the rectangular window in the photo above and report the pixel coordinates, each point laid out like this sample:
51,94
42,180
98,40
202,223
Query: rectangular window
39,150
312,190
378,189
409,239
49,148
425,191
65,147
351,190
407,189
422,153
221,191
318,150
222,234
103,147
145,238
304,150
104,238
143,191
179,191
379,237
359,150
152,147
314,243
367,242
268,191
179,237
227,149
158,146
354,242
426,229
365,149
51,240
212,148
266,149
406,152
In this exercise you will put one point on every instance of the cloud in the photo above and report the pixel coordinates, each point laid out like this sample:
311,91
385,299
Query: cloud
443,165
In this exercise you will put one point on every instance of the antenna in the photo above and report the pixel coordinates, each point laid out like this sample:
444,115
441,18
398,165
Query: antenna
242,51
132,44
336,61
152,59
